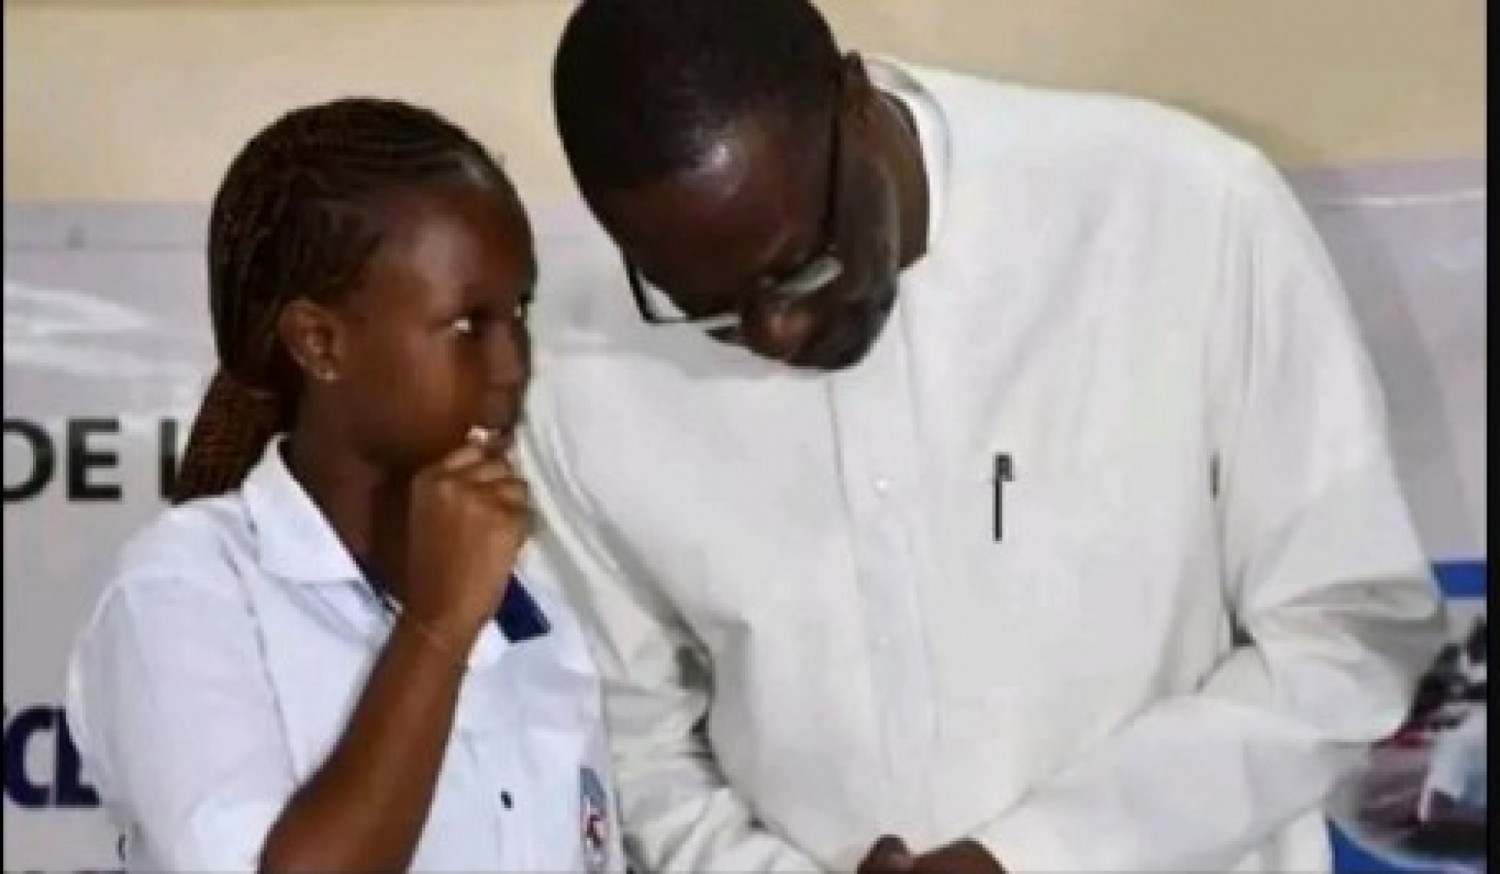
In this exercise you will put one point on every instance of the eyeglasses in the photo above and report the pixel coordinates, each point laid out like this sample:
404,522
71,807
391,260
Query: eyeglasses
814,275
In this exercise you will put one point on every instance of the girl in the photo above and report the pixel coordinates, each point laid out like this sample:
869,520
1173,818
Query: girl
335,653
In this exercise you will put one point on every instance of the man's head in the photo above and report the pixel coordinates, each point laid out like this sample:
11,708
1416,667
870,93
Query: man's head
743,166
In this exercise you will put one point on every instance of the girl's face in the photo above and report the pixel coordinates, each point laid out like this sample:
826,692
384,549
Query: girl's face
432,341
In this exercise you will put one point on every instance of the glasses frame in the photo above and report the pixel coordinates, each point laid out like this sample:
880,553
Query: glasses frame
815,274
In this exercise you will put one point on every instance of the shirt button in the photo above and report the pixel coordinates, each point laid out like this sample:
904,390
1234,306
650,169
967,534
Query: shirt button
882,485
505,800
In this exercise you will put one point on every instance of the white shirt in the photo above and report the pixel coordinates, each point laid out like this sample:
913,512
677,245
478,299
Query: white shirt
1131,306
1458,767
226,655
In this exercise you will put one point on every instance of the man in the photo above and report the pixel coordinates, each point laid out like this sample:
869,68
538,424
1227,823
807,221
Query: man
965,477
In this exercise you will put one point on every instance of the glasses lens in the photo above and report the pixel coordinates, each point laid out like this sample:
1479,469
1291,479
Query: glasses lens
664,310
658,303
811,279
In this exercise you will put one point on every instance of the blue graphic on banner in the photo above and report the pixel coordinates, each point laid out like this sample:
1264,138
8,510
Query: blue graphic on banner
1463,579
1420,806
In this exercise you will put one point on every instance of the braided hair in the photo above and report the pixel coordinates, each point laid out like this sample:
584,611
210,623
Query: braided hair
297,216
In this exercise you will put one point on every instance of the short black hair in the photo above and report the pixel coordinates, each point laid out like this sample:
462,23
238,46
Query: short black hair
298,214
641,88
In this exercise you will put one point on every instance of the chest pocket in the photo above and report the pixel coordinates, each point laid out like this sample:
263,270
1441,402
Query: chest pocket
525,727
1055,588
321,644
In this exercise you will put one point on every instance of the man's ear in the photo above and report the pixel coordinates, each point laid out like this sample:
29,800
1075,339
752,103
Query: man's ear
315,337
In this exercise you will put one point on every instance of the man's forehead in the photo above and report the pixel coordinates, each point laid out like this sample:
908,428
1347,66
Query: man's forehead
751,179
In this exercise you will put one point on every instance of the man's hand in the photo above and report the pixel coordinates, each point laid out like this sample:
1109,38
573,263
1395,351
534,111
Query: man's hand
889,855
959,857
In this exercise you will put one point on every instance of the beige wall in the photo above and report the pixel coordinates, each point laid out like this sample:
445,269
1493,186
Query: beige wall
122,99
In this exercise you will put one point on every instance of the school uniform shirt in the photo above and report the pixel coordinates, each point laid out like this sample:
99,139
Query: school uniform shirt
224,660
1098,558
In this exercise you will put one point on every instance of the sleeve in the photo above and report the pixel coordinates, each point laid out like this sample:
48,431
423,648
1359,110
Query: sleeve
678,811
1322,570
177,724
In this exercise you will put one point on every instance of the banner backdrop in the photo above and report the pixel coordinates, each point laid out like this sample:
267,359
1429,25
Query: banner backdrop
107,349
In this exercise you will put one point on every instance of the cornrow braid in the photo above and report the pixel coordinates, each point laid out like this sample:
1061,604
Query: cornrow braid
234,424
296,216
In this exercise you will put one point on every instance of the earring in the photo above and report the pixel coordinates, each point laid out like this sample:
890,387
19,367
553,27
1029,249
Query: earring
325,374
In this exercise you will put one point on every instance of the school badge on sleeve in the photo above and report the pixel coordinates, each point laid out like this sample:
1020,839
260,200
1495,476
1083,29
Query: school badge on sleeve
593,820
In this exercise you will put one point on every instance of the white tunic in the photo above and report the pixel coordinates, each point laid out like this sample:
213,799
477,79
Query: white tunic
1131,307
224,660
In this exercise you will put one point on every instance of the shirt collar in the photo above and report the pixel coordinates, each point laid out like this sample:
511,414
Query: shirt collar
900,81
296,544
294,539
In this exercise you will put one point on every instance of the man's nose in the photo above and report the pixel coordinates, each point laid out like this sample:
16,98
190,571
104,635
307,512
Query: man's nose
508,357
780,332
